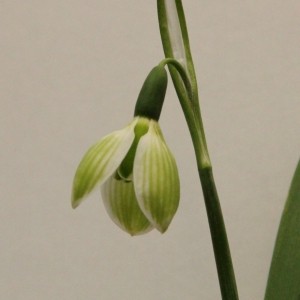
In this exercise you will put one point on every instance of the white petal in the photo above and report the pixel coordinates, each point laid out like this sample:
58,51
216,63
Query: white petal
122,207
101,161
156,179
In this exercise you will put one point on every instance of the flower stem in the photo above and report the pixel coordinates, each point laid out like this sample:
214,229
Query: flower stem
175,41
180,69
218,236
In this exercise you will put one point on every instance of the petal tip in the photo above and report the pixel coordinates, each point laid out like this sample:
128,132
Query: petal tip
162,228
74,204
75,201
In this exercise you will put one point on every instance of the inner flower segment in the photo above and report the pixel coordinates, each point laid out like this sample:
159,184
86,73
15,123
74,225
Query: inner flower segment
124,172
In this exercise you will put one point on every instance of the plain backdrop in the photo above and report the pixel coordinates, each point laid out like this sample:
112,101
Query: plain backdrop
70,73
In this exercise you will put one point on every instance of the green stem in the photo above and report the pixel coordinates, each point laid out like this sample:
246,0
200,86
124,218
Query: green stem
218,236
184,76
176,46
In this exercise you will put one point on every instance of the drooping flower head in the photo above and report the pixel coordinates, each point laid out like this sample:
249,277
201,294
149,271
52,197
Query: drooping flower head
134,167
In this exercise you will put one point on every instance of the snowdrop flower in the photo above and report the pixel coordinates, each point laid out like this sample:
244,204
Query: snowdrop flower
134,167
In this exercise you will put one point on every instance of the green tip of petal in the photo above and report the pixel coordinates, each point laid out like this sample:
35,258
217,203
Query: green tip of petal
162,229
138,231
74,204
77,195
161,222
75,201
78,192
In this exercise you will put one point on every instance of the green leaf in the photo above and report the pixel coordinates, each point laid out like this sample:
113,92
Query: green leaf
284,276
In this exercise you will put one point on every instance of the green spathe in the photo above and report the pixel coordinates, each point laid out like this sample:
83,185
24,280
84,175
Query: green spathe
138,177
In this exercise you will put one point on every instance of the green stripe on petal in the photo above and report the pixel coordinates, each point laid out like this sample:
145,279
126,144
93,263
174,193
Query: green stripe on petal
101,161
156,180
122,207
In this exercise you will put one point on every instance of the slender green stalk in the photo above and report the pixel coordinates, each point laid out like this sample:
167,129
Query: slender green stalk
176,46
180,69
218,236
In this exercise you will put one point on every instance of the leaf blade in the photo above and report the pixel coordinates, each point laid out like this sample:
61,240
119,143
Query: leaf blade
284,276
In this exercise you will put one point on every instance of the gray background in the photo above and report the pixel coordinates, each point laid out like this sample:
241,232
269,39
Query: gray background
70,73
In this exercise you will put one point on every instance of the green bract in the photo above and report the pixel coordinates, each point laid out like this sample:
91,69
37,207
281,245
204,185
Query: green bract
138,177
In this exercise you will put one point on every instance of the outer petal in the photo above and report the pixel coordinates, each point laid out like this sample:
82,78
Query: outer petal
121,205
156,179
101,161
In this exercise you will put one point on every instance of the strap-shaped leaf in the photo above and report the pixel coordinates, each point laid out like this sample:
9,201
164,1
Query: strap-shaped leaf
284,276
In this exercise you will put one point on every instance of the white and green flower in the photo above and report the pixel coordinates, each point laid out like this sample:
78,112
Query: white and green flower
138,177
